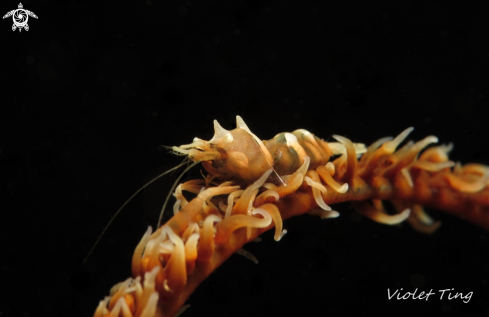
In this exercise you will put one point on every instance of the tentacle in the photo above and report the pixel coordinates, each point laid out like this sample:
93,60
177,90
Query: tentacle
175,270
407,177
468,186
404,159
364,208
231,198
191,229
324,214
328,179
433,167
370,159
116,310
347,172
102,310
243,204
436,154
153,251
214,191
149,288
317,188
182,201
338,148
121,290
196,185
166,247
208,207
277,220
374,146
150,309
138,254
226,227
418,219
268,196
191,252
206,244
193,186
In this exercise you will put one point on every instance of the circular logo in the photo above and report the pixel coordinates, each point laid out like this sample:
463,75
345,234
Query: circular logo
20,17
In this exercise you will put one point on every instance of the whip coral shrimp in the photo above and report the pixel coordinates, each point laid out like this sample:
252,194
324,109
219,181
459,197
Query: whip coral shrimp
253,185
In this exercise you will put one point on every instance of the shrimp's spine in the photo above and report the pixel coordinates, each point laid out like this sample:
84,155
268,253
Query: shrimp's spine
221,219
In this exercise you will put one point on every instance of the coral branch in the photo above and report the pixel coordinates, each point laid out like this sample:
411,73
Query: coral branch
177,257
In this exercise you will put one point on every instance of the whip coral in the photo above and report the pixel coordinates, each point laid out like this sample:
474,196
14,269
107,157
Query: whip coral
252,186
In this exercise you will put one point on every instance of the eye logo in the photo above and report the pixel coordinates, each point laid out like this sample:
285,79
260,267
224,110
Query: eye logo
20,18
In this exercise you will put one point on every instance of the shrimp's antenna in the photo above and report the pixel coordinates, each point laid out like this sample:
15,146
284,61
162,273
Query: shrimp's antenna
127,201
171,191
269,163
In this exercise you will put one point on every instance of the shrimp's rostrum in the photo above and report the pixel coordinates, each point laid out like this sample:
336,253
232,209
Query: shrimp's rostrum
253,185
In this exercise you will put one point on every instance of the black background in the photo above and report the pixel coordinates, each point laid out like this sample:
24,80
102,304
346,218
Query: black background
93,89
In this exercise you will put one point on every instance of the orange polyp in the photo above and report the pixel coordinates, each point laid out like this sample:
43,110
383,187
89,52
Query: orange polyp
328,179
191,229
249,194
119,293
175,270
351,159
191,252
205,247
377,215
312,179
268,196
193,186
433,167
369,161
418,221
148,289
151,307
226,227
277,220
464,186
408,157
154,255
130,302
138,254
374,146
436,154
231,198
